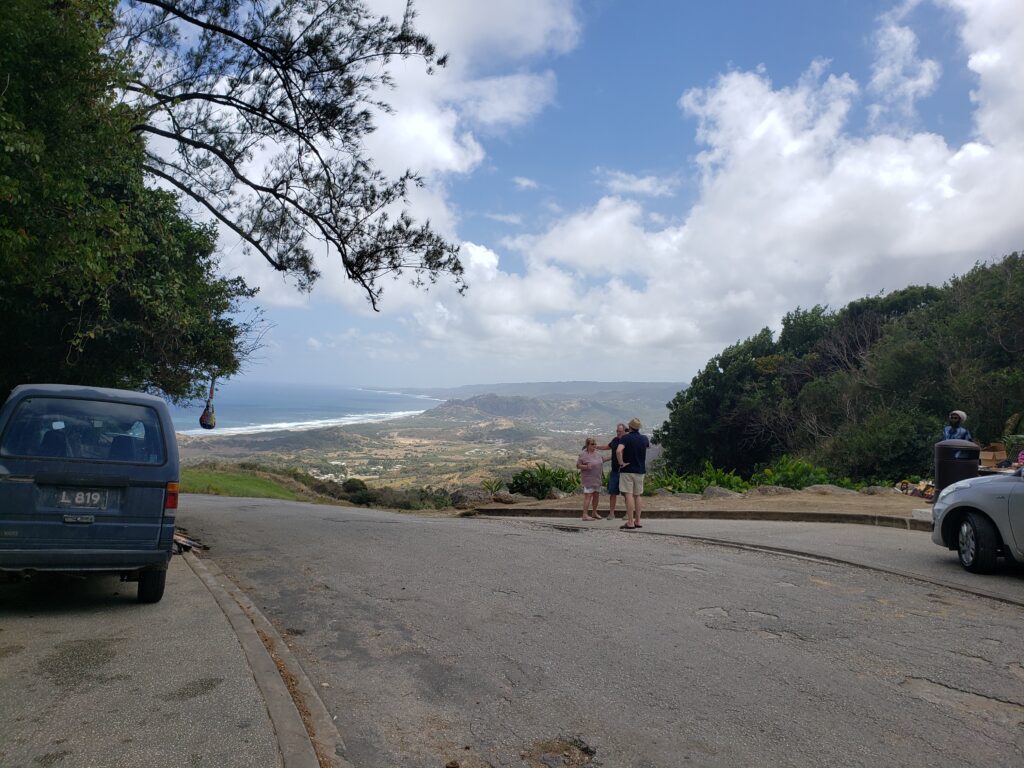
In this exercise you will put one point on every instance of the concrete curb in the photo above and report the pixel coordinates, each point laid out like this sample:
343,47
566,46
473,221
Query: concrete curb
810,556
888,521
306,734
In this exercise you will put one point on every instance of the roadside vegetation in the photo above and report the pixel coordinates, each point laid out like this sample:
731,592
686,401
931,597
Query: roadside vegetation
786,471
233,482
862,391
248,479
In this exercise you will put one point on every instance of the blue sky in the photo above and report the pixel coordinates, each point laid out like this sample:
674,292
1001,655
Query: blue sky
638,184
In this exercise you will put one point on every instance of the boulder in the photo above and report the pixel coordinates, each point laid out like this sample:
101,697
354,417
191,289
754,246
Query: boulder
555,494
467,498
512,498
663,492
686,496
769,490
829,490
714,492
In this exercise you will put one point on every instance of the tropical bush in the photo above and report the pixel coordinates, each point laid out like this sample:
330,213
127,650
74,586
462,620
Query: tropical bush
492,485
353,485
693,483
540,479
671,481
790,472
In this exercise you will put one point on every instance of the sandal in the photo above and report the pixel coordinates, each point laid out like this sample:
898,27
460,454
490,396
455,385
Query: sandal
638,526
627,527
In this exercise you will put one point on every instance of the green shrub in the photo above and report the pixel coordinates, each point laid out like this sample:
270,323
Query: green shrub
353,485
728,480
888,443
672,481
791,473
492,485
665,478
539,480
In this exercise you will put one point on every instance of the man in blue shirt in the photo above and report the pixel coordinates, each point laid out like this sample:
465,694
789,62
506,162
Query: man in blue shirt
613,476
632,456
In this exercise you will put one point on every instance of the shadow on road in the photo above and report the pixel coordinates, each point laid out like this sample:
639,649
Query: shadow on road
54,593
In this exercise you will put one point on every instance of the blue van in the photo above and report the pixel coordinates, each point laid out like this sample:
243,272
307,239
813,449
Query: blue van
88,483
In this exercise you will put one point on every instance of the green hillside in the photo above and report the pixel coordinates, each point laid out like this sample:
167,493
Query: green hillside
863,390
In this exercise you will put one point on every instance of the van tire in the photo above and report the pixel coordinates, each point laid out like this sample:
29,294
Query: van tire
151,586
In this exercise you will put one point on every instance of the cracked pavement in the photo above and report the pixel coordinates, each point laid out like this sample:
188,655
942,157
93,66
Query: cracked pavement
436,639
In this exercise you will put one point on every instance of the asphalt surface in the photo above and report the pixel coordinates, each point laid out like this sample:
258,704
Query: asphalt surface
91,678
893,550
513,643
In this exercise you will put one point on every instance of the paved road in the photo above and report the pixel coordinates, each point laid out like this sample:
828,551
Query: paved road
90,678
510,644
892,549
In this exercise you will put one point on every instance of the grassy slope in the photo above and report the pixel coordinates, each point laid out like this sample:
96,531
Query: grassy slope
235,483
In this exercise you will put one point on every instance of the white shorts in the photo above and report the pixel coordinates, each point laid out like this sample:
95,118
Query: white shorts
595,489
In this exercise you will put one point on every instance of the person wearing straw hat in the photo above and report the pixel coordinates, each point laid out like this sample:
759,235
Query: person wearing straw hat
632,454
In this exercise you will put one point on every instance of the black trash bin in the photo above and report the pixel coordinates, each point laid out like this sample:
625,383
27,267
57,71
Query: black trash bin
955,460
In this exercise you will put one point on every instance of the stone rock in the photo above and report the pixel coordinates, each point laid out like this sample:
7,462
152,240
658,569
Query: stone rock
879,490
829,490
686,496
512,498
555,494
663,492
714,492
769,490
467,498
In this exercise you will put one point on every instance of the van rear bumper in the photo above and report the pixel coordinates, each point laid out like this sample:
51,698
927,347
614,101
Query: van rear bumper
91,560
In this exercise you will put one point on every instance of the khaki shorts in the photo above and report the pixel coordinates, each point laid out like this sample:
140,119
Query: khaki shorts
631,483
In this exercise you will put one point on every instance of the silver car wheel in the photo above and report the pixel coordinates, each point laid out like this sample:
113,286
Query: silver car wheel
968,545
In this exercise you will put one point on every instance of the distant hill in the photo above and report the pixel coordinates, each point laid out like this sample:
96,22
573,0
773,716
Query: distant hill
645,391
553,414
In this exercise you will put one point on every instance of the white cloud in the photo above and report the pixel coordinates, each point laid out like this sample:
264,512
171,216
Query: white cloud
992,35
504,102
622,183
794,208
899,78
505,218
314,344
494,30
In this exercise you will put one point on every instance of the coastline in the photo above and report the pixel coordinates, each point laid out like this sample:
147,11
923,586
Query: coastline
300,426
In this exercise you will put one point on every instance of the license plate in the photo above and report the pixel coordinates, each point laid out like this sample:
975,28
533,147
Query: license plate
81,498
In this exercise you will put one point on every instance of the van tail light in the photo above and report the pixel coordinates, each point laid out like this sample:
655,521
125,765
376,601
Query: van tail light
171,496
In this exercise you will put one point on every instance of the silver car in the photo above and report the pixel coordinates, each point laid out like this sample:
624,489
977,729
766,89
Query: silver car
982,519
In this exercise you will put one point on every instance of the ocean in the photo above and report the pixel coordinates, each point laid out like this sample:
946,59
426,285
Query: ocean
246,408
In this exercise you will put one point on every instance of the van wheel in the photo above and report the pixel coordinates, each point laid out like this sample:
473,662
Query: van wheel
977,542
151,586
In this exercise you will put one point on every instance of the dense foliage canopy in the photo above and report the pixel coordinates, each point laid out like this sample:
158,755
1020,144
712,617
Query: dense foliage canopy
863,390
102,280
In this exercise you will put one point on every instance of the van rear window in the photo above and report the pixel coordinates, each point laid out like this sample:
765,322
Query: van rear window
92,430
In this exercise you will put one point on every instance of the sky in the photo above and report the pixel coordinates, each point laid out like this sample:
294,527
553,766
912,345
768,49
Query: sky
637,184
